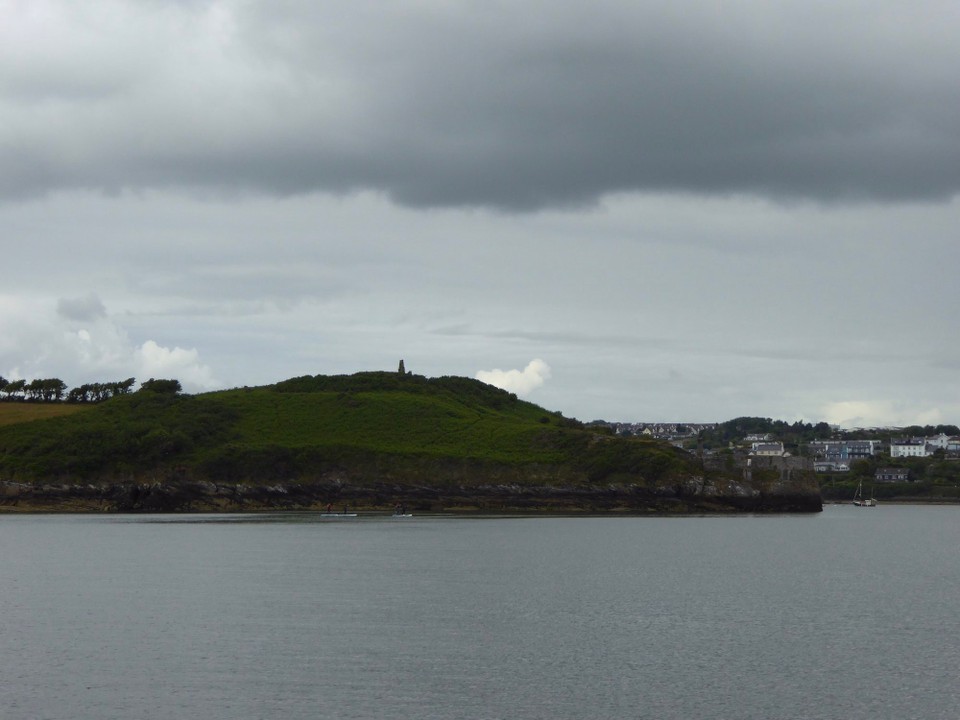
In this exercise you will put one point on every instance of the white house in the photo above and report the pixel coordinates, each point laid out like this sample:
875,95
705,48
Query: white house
767,449
909,447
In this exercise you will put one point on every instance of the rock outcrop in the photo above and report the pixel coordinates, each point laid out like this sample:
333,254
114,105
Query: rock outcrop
690,496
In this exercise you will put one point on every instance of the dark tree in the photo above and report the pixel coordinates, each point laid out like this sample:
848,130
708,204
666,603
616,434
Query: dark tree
122,388
15,388
54,388
45,389
165,387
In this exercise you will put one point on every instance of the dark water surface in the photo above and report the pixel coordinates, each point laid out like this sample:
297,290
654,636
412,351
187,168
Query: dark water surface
849,614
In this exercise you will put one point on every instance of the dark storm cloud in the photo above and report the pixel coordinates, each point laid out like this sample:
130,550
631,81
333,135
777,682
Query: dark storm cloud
495,104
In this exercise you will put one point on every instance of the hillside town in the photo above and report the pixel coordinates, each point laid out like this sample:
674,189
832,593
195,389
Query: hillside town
829,457
659,430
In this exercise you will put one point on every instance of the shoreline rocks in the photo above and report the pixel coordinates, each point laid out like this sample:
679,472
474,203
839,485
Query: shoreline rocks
204,496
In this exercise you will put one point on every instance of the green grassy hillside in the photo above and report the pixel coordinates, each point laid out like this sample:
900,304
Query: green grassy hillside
404,427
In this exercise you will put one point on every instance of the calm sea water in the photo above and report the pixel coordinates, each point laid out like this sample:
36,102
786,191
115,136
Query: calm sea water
852,613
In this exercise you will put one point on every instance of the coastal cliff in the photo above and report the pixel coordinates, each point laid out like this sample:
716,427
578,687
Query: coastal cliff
204,496
483,490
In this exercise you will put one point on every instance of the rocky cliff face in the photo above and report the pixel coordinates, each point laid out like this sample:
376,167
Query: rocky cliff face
766,488
726,484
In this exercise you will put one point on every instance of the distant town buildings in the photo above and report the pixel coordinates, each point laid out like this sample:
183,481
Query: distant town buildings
844,450
892,474
828,456
837,455
925,447
660,431
910,447
767,449
831,466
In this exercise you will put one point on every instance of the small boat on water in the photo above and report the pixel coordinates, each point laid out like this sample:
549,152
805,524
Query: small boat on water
338,515
860,501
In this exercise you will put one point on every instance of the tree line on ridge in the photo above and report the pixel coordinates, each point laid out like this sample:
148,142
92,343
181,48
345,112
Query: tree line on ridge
55,390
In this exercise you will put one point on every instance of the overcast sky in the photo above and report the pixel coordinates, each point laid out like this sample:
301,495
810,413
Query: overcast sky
624,210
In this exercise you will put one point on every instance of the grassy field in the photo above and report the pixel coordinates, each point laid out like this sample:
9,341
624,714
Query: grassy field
389,421
12,413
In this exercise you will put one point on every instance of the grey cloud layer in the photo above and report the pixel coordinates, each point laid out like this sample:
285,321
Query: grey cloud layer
87,308
485,104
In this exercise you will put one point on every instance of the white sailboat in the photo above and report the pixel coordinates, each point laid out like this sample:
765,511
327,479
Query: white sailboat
860,501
